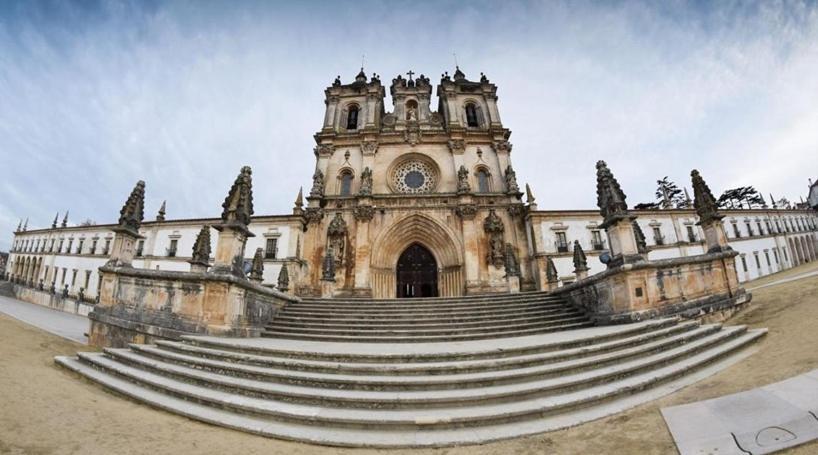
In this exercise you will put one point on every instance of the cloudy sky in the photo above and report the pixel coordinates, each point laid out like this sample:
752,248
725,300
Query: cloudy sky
96,95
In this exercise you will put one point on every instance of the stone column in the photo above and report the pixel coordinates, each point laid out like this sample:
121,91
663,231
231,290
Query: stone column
233,232
127,231
709,216
467,210
363,213
618,222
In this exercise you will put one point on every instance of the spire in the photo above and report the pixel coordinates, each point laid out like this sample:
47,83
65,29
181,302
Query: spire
257,270
361,77
705,203
238,205
132,213
580,261
25,225
201,249
763,202
458,75
54,223
65,220
529,195
688,201
19,226
161,215
772,200
610,198
283,279
299,200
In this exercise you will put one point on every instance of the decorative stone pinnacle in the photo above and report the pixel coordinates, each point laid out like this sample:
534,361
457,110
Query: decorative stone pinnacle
201,249
132,213
257,269
641,243
19,226
551,271
610,198
54,223
161,215
238,205
580,261
283,279
299,200
65,220
703,200
25,225
529,195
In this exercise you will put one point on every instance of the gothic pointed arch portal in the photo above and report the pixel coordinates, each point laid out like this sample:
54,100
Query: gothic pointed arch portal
416,273
437,238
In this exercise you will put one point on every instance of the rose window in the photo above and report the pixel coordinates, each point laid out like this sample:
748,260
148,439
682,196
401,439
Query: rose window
414,177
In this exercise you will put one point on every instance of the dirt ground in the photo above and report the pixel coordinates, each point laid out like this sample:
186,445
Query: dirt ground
45,409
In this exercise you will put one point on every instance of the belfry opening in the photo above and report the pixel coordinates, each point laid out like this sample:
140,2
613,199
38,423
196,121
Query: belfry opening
416,273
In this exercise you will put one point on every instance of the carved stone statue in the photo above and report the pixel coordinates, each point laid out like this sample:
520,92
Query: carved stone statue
463,186
512,265
317,184
511,181
493,226
328,266
336,238
366,182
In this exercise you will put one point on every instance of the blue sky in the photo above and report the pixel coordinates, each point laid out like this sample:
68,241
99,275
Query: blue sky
96,95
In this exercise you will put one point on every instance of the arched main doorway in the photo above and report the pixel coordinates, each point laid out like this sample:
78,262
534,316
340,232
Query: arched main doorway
416,273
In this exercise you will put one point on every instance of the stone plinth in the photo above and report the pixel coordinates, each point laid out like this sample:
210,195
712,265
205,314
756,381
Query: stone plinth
704,286
140,306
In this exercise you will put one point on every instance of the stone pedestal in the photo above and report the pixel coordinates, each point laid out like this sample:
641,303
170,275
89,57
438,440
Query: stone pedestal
124,248
327,289
229,259
715,237
622,242
513,284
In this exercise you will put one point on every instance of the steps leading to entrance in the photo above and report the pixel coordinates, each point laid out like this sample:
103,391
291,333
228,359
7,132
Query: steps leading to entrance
416,394
425,320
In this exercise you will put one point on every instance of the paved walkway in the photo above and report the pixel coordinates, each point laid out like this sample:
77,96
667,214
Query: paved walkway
66,325
785,280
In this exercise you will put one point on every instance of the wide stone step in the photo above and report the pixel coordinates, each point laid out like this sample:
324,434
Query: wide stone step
433,318
387,324
437,300
425,352
189,368
394,337
410,315
439,418
426,309
467,364
444,329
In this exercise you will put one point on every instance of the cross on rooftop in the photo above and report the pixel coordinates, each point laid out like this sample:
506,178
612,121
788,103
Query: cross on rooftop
410,73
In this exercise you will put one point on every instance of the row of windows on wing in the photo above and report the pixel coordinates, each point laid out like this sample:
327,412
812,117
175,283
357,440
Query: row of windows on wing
414,180
474,115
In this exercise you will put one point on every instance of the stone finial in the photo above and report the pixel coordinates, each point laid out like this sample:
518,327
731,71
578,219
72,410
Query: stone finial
580,261
511,181
19,226
132,213
610,198
161,215
283,279
772,199
201,249
328,266
463,186
529,195
298,207
688,201
641,243
257,269
551,271
366,182
317,189
25,225
703,200
54,223
65,220
238,205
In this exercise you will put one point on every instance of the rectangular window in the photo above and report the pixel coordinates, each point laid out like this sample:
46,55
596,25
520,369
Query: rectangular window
691,234
767,256
64,271
51,248
87,279
760,230
562,242
769,228
596,240
758,261
79,246
271,247
657,236
784,250
73,278
775,255
70,242
749,229
777,226
744,263
107,246
94,246
736,232
172,250
139,247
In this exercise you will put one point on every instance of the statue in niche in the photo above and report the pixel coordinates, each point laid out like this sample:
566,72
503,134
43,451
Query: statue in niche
493,226
412,114
317,184
366,182
463,186
511,181
336,234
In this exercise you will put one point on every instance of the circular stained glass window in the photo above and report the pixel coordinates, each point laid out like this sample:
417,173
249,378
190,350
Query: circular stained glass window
414,177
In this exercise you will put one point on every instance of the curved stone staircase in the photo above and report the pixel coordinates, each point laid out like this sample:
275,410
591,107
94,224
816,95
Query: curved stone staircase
467,376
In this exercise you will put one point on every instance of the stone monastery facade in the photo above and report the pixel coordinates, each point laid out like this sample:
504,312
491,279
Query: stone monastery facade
412,202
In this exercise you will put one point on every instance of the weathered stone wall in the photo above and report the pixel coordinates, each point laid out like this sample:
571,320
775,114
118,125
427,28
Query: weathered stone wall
138,305
53,301
703,286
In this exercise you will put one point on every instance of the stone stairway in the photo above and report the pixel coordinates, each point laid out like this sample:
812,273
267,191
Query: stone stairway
433,393
425,320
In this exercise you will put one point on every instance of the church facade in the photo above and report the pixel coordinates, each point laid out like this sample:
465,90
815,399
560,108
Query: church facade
413,201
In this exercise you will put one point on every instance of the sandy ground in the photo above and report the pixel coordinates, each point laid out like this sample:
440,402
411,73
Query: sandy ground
47,410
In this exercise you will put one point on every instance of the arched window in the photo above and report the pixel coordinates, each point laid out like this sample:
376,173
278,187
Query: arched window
346,183
352,118
482,181
471,116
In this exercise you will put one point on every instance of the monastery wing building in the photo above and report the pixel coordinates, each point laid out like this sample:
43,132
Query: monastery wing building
413,202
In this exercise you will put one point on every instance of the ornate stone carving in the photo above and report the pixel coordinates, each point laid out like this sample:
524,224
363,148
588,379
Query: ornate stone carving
364,213
317,189
503,146
641,243
493,226
283,279
324,149
257,269
515,210
132,213
201,249
366,182
512,265
551,271
463,186
53,223
413,135
160,216
580,261
704,202
328,266
369,147
414,177
511,181
336,237
238,205
457,146
466,211
314,214
610,198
